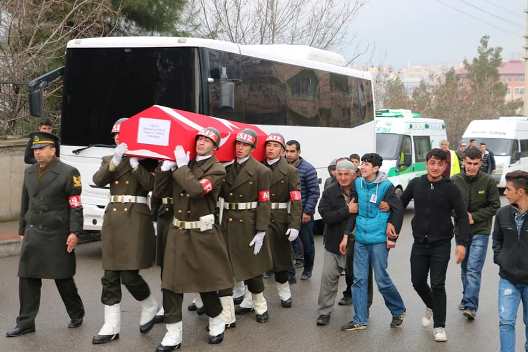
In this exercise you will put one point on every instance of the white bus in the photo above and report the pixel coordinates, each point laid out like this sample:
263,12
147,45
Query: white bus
403,139
307,94
507,138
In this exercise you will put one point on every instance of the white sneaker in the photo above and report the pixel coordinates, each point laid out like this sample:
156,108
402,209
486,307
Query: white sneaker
427,319
439,335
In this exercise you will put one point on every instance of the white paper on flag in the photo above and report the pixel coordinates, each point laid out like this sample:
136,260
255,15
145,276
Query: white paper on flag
153,131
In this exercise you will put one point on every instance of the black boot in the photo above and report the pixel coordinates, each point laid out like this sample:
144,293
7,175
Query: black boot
287,303
162,348
75,323
242,310
214,340
102,339
19,331
262,318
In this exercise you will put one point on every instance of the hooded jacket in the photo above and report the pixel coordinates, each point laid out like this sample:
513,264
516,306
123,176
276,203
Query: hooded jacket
371,222
434,203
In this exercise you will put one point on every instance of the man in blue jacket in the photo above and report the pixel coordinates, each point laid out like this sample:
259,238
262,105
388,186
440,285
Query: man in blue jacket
374,229
510,245
309,197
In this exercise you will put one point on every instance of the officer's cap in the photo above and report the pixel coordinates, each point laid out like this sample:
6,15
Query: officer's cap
43,139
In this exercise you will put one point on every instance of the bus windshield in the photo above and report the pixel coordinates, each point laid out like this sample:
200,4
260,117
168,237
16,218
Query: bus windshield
388,145
104,84
499,146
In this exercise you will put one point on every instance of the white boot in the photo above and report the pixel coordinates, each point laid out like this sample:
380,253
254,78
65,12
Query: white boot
228,311
111,327
216,329
161,312
284,294
197,300
239,292
260,303
247,302
173,336
149,308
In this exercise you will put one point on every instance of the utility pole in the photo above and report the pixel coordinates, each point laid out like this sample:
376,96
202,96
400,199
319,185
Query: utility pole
525,105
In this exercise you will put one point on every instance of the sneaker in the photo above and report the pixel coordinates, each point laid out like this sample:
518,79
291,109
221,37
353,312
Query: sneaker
345,301
439,335
323,320
469,314
306,275
397,321
427,319
352,326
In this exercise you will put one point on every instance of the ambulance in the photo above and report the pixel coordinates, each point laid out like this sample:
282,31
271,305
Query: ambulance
403,139
507,138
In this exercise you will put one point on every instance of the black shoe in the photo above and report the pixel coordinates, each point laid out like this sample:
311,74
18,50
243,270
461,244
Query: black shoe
345,301
214,340
18,331
242,310
351,326
162,348
158,319
101,339
287,303
469,314
192,307
397,321
262,318
238,300
306,275
75,323
145,328
323,320
292,280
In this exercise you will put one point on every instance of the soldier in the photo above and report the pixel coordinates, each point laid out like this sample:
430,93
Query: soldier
285,213
51,218
245,220
196,258
128,239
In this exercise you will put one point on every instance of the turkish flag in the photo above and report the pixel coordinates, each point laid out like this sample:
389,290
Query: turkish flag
156,131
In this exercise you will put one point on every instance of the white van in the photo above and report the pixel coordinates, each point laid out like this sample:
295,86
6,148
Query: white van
507,138
403,139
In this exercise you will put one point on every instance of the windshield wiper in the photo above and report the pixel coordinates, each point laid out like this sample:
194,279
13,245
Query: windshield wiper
77,151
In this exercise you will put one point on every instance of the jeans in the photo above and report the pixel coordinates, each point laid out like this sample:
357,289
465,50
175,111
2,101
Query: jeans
375,255
306,234
510,296
472,269
431,259
349,275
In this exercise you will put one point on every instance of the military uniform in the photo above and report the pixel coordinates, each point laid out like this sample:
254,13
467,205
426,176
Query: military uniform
127,233
162,206
50,210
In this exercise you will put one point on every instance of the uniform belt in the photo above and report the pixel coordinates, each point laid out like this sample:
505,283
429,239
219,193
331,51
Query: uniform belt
128,199
186,225
280,205
240,206
167,200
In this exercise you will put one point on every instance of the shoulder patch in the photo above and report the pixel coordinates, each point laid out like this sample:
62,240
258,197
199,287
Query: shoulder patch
76,181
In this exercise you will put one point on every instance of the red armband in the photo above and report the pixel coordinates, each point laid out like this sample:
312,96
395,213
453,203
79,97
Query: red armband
207,186
295,196
264,196
75,201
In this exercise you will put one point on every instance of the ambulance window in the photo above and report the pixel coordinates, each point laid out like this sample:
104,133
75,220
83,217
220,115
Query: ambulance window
406,147
524,145
422,145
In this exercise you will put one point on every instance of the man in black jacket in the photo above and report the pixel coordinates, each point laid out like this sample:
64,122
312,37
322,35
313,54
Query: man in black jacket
481,198
435,198
45,126
339,219
510,245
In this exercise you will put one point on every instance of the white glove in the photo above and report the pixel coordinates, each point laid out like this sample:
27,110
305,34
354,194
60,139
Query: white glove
134,162
257,241
119,151
182,157
167,165
292,234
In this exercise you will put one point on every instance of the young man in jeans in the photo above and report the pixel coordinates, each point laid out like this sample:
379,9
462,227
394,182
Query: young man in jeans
435,198
373,229
481,198
510,245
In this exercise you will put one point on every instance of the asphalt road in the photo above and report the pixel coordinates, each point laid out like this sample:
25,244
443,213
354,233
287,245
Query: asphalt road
287,330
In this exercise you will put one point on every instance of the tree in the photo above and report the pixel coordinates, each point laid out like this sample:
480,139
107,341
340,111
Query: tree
395,95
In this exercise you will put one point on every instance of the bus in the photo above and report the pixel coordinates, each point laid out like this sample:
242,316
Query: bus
306,94
403,139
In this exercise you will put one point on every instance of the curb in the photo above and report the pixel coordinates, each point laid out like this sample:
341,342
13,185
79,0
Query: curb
9,248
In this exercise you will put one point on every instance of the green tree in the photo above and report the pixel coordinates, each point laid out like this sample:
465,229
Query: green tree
395,95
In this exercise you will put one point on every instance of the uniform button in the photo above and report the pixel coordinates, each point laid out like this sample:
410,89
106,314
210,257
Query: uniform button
230,219
272,220
181,194
250,182
179,211
241,196
187,195
230,194
126,182
125,209
188,211
241,220
114,209
116,182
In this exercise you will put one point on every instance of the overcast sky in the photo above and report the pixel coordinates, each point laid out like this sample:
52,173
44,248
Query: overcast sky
437,31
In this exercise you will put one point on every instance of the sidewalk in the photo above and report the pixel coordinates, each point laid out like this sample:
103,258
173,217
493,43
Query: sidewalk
9,240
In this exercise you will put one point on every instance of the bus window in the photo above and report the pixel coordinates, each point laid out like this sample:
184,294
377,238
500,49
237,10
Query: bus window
422,145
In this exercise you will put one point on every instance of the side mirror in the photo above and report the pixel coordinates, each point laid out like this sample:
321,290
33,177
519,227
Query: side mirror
35,102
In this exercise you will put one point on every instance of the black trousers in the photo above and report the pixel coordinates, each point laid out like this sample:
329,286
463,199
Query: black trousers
255,285
29,295
281,276
431,259
172,305
349,276
112,281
